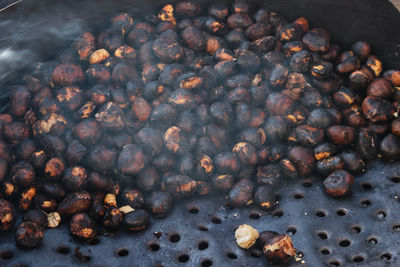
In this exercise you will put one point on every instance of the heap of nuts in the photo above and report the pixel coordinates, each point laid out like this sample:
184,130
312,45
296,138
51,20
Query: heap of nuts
186,103
277,248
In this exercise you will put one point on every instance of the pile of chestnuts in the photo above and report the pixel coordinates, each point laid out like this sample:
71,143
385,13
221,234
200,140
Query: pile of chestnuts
185,103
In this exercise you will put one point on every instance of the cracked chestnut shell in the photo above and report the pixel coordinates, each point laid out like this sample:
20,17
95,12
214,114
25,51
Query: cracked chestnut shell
7,215
279,249
82,226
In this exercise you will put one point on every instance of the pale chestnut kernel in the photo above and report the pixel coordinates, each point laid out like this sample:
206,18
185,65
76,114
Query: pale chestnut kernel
98,56
246,236
53,219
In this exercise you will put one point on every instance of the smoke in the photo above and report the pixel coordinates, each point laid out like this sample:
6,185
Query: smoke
31,34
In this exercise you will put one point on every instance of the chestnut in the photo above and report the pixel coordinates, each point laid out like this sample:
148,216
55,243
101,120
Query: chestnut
341,135
131,160
338,184
29,234
159,203
390,147
279,249
241,193
376,109
132,197
22,174
303,159
67,74
7,215
136,220
82,226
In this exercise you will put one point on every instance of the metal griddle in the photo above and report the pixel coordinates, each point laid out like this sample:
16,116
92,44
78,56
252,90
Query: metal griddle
360,230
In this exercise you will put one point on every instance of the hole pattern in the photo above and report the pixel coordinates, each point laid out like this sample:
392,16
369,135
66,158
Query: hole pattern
122,252
366,186
358,258
202,228
372,240
231,255
341,212
320,213
344,243
206,263
153,246
94,241
381,214
386,256
6,255
203,245
193,210
174,238
325,251
255,215
216,220
278,213
291,230
366,202
62,249
395,179
335,263
356,229
298,196
183,258
322,235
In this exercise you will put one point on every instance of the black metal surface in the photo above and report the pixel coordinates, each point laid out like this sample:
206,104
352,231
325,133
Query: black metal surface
302,207
303,210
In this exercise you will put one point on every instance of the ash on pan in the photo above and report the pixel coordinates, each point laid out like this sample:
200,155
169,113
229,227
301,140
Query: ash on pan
239,100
